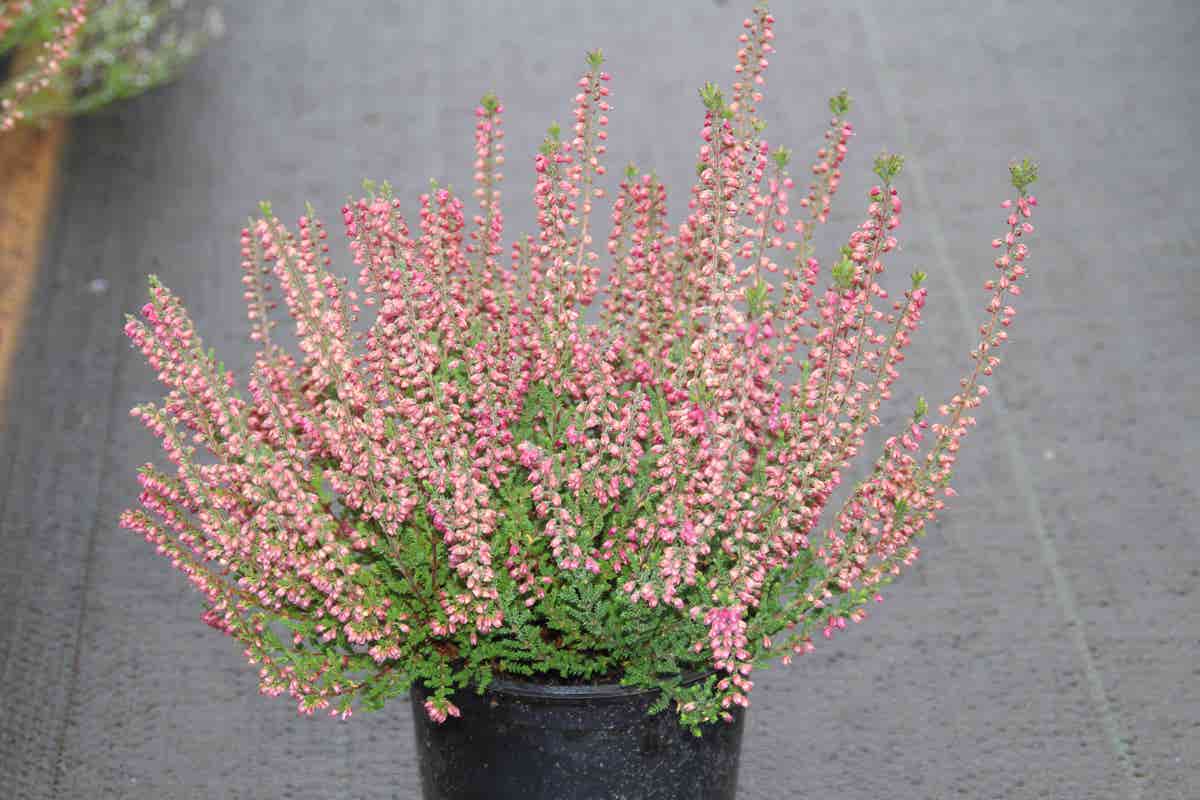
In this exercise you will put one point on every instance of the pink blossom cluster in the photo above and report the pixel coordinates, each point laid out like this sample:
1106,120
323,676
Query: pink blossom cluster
47,64
9,13
677,452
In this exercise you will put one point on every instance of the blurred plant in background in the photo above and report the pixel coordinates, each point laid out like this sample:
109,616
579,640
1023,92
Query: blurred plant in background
85,54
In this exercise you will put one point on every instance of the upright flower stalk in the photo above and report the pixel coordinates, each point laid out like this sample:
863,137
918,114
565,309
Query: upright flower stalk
482,479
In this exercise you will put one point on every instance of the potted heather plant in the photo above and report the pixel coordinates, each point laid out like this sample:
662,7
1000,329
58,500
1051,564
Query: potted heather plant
569,537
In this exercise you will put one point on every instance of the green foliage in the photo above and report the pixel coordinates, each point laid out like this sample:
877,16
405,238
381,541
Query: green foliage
756,297
552,143
843,272
714,100
781,157
583,628
126,47
888,166
839,104
1024,173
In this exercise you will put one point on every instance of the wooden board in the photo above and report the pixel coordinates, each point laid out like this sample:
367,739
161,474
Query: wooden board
28,170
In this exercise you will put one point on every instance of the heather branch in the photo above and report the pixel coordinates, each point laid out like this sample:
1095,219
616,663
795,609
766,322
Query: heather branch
854,284
618,308
909,500
801,276
755,44
590,122
907,318
489,157
1011,265
48,64
827,170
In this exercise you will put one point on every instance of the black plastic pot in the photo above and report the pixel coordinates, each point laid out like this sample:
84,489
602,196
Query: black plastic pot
527,741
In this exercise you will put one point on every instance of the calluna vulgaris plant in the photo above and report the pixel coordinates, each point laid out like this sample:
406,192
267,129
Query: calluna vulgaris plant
95,52
485,481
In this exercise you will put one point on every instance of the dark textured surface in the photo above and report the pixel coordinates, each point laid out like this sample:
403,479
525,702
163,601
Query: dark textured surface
1047,644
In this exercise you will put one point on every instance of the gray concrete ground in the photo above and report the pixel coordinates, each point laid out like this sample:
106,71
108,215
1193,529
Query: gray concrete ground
1046,645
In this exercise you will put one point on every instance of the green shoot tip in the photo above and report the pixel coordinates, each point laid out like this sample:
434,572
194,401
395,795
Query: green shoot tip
843,273
839,104
713,99
888,166
1024,173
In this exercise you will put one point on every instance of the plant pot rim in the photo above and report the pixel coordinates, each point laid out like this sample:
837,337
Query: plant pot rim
567,693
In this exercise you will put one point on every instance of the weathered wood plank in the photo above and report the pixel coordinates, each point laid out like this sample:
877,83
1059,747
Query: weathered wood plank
28,175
